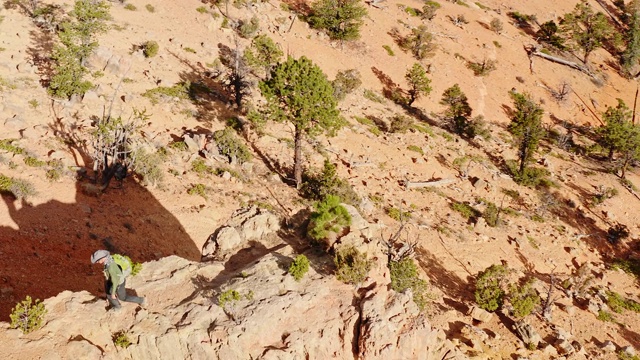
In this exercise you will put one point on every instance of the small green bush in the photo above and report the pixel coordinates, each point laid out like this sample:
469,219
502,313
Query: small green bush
404,275
28,315
623,355
329,217
483,67
150,48
630,266
316,186
33,162
490,214
178,91
198,189
532,176
352,265
299,267
415,148
249,28
490,284
605,316
397,214
228,298
178,145
202,10
617,303
231,146
345,83
467,211
150,8
19,188
149,166
200,167
121,339
603,194
429,9
496,25
190,50
523,298
389,50
371,95
400,124
130,7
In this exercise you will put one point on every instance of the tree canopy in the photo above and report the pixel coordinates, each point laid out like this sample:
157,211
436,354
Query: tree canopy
299,92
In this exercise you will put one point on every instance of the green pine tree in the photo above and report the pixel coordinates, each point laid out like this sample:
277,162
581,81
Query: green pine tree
341,19
585,29
263,54
419,83
459,110
299,92
419,43
526,126
77,42
631,54
616,129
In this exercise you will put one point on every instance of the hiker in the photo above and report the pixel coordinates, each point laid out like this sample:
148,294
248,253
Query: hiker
115,278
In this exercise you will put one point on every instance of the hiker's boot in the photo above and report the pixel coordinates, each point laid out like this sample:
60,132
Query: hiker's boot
135,299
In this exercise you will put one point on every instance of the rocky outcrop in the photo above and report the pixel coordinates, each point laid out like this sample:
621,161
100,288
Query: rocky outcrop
246,225
271,316
276,318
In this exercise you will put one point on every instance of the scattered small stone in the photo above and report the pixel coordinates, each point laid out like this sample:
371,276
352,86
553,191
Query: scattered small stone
564,347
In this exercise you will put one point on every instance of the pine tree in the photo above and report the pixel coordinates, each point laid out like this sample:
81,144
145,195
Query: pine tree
631,54
459,110
419,43
617,127
419,83
78,40
299,92
263,54
586,30
341,19
526,126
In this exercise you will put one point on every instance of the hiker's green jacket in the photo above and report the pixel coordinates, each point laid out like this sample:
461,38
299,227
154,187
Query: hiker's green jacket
113,274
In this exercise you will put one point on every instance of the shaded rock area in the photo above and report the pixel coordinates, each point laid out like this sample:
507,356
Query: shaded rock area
276,318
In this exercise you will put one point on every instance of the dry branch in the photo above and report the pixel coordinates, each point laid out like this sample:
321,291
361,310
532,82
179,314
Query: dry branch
423,184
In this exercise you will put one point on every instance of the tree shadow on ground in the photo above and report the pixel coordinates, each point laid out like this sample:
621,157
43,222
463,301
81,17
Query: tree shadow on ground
207,91
458,292
39,51
47,248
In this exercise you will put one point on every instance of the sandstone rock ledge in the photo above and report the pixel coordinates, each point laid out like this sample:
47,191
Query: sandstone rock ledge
277,318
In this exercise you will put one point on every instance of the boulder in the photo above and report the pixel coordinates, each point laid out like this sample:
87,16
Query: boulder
259,225
608,346
480,314
527,333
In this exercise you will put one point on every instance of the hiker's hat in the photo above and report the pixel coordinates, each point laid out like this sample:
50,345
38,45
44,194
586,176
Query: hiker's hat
99,254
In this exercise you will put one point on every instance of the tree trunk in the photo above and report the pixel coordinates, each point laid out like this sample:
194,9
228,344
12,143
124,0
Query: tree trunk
412,97
297,157
627,160
610,157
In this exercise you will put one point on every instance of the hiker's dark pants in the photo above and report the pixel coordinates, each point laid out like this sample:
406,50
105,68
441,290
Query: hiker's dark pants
122,294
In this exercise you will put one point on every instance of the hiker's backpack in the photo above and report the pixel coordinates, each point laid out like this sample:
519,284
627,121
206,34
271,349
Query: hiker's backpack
124,263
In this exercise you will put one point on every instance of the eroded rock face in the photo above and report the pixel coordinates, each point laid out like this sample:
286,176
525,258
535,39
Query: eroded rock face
272,317
246,225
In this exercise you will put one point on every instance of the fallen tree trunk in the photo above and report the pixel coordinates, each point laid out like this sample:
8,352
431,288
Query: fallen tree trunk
423,184
564,62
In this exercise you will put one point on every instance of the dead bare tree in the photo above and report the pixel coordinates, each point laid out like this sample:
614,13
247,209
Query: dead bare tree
550,299
398,249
